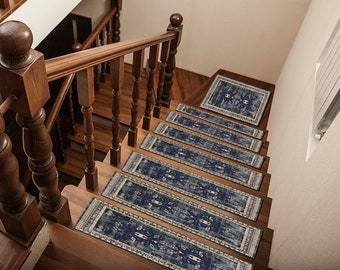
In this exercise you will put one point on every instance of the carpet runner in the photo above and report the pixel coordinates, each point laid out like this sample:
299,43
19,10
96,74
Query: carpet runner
236,99
149,240
184,214
207,144
214,131
199,160
193,185
256,133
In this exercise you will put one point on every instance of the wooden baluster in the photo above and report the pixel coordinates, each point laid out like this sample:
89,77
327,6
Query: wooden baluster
138,58
116,22
62,155
23,74
37,145
86,98
71,111
19,210
103,65
4,4
164,59
117,79
175,25
97,67
153,56
109,40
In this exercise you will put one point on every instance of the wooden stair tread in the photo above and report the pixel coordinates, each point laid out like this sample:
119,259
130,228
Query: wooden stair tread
12,254
70,249
196,99
102,135
75,164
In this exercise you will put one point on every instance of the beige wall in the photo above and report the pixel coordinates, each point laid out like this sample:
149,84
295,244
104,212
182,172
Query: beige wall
251,37
305,214
95,12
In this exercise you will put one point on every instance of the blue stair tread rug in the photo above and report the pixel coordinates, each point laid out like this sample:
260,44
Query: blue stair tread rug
193,185
236,99
151,241
227,123
214,131
209,144
199,160
184,214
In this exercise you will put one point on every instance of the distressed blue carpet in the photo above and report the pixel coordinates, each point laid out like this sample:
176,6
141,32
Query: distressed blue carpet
256,133
199,160
214,131
235,99
193,185
184,214
151,241
208,144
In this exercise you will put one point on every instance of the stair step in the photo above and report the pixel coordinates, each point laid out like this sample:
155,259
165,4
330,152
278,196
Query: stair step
70,249
79,199
197,97
75,164
12,254
102,105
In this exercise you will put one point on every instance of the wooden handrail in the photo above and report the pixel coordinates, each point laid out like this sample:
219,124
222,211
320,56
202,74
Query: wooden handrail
68,80
62,66
59,101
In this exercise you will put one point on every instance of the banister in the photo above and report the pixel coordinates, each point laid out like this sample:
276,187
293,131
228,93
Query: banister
58,102
92,37
7,103
61,66
68,80
22,71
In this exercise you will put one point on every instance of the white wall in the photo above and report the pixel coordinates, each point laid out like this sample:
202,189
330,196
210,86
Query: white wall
36,14
251,37
305,214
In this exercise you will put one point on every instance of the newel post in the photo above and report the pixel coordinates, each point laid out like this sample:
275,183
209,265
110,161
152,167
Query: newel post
23,74
176,26
19,210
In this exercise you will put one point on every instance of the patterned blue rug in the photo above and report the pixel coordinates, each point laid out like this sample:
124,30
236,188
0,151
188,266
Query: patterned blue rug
193,185
207,144
184,214
199,160
235,99
217,132
256,133
151,241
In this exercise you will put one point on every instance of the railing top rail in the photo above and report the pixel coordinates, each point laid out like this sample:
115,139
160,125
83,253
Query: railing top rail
64,65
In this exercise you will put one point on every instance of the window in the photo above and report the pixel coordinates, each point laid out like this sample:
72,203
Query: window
327,85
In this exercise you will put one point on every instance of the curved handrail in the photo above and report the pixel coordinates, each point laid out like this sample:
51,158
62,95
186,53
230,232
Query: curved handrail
62,66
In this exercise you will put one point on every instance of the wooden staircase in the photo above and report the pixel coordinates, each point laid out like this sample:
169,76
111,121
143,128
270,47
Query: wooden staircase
70,249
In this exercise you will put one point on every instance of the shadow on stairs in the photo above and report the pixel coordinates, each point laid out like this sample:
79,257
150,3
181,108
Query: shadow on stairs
182,191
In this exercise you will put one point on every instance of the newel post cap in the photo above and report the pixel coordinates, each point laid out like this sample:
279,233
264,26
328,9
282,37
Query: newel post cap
22,70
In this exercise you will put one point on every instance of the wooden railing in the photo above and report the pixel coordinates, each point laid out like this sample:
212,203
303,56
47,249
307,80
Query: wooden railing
24,87
106,32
